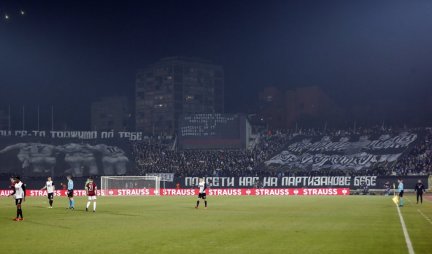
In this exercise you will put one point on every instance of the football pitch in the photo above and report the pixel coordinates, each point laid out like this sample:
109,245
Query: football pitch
245,224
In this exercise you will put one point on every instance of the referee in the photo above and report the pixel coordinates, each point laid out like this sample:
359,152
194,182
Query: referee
70,189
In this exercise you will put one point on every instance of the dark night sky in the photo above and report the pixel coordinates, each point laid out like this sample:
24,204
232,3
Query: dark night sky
68,53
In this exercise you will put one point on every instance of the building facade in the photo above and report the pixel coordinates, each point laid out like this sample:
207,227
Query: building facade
175,86
305,106
111,113
272,108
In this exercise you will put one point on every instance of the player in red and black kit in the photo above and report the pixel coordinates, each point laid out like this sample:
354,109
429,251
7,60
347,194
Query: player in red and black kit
91,190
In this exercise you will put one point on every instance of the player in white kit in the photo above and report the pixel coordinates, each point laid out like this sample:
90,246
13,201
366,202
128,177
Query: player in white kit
202,194
19,193
49,186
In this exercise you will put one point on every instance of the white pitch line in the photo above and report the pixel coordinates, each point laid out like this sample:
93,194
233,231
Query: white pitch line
405,231
422,214
425,216
409,200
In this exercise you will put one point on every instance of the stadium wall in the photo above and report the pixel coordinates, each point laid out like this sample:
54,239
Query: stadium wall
194,192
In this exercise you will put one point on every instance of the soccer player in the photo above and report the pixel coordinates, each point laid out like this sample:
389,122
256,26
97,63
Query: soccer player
49,186
19,193
70,190
91,189
419,189
202,194
401,192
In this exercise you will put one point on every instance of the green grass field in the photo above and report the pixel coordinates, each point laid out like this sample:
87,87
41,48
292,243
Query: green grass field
265,224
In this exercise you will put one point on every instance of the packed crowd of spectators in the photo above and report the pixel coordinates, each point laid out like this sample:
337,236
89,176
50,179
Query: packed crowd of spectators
417,161
156,156
160,156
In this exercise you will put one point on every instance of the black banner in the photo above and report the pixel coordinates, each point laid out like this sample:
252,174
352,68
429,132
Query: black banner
353,182
343,152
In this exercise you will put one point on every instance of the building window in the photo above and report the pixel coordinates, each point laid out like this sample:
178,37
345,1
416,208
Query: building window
160,105
189,98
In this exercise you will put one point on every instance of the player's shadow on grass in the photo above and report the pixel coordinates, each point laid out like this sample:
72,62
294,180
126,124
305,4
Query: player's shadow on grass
38,206
46,224
123,214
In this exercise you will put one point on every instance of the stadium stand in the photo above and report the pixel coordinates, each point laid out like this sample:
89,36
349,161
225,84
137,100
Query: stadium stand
158,156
